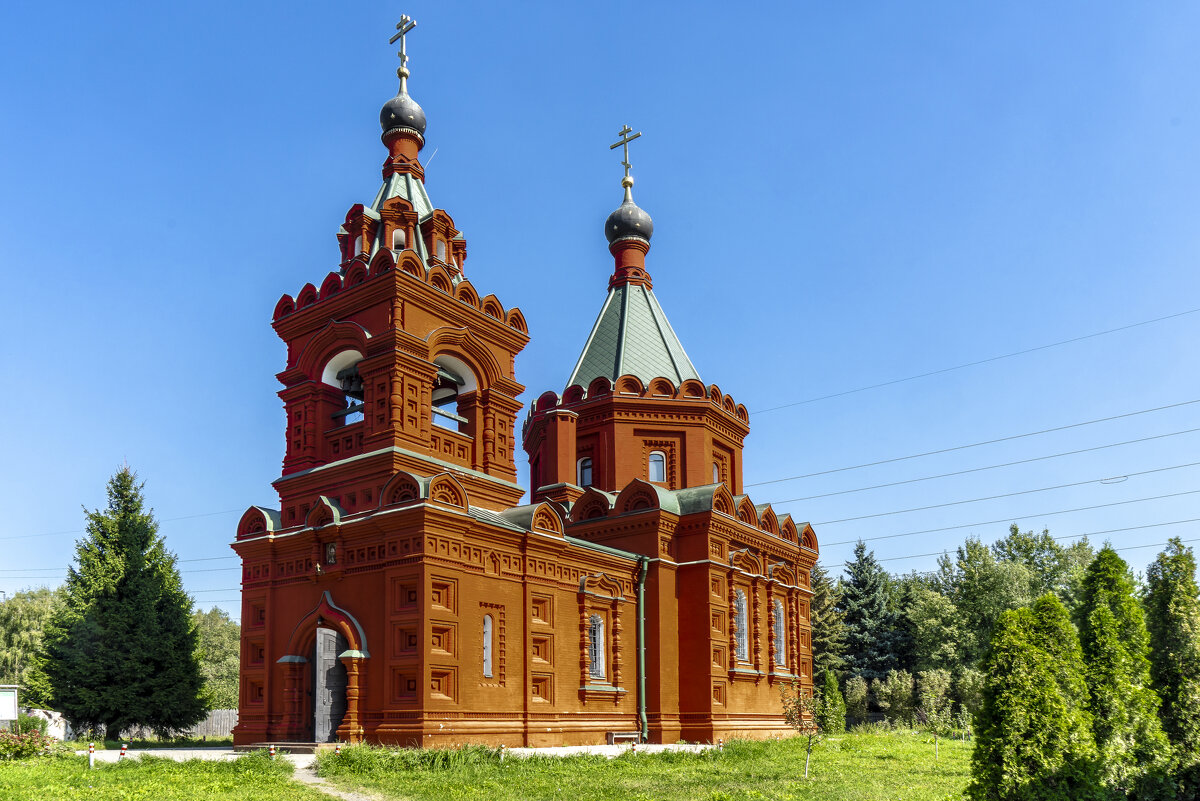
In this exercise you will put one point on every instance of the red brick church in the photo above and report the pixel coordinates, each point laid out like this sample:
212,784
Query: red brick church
402,593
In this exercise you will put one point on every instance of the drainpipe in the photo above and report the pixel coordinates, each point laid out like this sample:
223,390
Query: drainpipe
643,564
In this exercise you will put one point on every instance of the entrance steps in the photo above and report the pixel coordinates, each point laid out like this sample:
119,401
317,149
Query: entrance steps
287,747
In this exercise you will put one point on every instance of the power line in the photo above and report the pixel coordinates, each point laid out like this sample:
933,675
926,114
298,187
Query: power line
975,363
996,497
974,444
1126,548
57,570
84,531
1009,519
992,467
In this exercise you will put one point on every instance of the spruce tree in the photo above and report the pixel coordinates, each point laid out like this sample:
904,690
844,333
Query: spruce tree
121,648
1033,734
1112,633
1173,619
869,627
828,627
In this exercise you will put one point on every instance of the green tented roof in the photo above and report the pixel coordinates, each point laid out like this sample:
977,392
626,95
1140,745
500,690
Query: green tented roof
632,337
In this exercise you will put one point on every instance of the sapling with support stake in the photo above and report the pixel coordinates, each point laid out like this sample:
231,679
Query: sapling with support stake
800,711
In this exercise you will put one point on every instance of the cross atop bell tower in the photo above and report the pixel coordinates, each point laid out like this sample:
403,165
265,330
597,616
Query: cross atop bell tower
405,25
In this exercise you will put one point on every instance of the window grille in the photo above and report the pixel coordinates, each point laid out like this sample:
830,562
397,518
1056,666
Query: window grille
487,646
780,632
742,645
596,647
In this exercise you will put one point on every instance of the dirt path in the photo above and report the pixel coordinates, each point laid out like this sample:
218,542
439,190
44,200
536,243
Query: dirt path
306,773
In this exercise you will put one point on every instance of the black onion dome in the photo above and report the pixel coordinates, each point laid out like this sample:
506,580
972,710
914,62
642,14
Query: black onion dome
628,220
402,112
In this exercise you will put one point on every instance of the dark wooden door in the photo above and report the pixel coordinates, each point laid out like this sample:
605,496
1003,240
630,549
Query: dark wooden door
329,685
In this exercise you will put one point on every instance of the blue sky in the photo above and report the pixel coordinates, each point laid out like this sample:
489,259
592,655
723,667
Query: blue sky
843,195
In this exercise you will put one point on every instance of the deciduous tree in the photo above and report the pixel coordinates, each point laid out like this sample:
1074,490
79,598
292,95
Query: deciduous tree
23,619
220,639
121,648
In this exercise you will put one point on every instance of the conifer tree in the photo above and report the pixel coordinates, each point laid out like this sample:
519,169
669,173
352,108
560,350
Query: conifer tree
828,627
121,648
831,709
869,626
1112,633
1173,619
1033,734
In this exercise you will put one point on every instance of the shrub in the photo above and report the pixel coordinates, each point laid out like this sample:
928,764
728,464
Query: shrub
856,698
14,745
895,695
29,723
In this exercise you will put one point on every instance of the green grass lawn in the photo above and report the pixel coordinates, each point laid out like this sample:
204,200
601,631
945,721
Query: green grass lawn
878,765
251,778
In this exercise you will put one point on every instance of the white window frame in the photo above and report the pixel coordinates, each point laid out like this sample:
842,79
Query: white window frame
661,460
596,648
580,466
488,627
741,625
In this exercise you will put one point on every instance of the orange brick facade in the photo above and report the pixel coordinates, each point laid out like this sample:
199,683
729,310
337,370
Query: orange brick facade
671,608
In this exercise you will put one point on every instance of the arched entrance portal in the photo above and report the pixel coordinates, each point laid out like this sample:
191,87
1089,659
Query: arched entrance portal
329,684
321,673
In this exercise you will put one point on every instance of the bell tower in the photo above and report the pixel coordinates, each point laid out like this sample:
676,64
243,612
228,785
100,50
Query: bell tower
395,362
634,406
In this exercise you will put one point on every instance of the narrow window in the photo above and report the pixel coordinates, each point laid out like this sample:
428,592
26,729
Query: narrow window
596,647
716,473
487,646
441,249
357,246
398,239
741,644
780,639
584,472
658,466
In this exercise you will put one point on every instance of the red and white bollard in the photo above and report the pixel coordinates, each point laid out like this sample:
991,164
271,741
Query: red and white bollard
91,755
503,751
337,749
720,745
123,747
272,751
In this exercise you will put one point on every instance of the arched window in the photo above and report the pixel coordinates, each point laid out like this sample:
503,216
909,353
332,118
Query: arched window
453,379
342,372
780,635
398,239
583,472
716,473
741,643
596,647
357,246
658,466
487,646
441,249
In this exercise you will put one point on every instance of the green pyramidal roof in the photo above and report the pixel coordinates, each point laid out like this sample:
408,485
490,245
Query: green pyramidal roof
632,337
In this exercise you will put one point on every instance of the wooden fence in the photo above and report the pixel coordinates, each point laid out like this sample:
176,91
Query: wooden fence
218,724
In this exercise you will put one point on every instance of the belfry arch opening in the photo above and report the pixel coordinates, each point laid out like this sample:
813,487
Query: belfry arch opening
342,372
453,382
